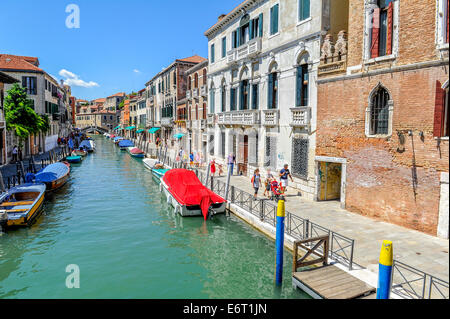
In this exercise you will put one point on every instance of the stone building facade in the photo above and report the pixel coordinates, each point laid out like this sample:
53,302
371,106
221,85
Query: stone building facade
382,116
263,59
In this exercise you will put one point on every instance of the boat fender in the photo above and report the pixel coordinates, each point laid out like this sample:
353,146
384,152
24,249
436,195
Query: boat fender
29,178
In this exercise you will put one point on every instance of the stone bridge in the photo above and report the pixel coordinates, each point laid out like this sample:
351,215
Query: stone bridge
92,129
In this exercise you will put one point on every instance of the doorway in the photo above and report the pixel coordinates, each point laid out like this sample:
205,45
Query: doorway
330,176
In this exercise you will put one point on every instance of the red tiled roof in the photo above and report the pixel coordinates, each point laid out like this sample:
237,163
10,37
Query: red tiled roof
194,59
117,94
16,62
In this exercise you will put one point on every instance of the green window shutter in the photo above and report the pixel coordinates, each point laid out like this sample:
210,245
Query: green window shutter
238,34
304,9
233,39
211,102
224,47
212,53
261,25
270,92
275,19
232,99
299,86
251,29
241,95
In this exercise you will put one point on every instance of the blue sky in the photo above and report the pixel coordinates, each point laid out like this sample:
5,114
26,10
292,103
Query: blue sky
120,45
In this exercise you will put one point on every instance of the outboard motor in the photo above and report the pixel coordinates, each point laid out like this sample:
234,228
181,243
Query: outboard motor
3,220
29,178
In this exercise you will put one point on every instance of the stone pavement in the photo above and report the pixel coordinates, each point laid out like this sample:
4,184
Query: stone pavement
424,252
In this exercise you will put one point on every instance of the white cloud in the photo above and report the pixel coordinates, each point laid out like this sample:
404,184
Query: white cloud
74,80
136,71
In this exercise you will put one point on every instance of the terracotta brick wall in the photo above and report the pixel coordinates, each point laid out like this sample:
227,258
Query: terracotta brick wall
379,178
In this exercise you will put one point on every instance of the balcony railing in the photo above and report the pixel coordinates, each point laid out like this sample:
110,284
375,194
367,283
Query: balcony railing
203,91
246,50
270,117
211,119
166,121
242,117
195,93
301,116
188,94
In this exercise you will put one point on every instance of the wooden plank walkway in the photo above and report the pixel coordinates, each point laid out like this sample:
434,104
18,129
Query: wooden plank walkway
327,281
330,282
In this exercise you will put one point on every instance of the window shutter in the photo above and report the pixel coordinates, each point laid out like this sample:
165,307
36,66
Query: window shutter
238,36
24,82
270,92
261,25
299,86
390,24
439,111
250,32
375,33
275,15
241,95
232,100
233,40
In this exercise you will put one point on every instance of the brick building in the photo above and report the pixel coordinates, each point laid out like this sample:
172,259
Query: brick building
382,117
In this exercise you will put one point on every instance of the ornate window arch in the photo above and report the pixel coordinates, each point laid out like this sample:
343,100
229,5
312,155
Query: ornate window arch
379,113
302,79
272,87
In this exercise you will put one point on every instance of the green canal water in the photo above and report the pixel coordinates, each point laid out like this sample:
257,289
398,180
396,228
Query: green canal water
113,223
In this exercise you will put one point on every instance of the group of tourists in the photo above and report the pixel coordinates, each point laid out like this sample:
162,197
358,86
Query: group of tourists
283,176
194,159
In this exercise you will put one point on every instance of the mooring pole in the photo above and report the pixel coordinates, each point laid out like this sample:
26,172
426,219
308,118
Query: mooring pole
385,270
227,186
279,242
207,173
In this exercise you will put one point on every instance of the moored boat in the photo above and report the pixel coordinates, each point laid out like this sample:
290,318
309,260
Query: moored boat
188,196
159,172
54,176
136,152
88,145
117,139
79,153
22,204
125,144
150,163
74,159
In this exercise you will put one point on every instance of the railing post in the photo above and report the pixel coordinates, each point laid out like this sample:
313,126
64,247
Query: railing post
261,210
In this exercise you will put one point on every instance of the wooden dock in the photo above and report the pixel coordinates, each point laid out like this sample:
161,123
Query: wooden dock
327,281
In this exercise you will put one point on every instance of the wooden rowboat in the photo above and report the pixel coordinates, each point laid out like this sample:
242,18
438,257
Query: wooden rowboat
74,159
22,204
54,176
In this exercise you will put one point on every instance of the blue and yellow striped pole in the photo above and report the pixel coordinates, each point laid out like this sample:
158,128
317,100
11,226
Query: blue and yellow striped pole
279,242
385,270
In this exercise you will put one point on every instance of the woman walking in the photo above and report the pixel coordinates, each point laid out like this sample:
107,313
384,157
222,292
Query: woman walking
256,182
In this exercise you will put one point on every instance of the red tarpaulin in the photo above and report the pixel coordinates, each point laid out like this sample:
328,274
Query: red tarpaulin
187,189
136,150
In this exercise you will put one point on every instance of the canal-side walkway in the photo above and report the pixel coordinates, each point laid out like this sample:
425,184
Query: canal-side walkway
421,251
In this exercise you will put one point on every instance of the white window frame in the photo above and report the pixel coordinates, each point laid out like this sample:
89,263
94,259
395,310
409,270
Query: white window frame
299,22
279,20
369,5
368,114
441,26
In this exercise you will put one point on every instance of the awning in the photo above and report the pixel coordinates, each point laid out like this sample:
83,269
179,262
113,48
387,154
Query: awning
129,128
179,135
116,128
154,130
139,131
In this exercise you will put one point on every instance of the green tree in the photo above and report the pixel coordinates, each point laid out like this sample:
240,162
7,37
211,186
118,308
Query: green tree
121,104
20,115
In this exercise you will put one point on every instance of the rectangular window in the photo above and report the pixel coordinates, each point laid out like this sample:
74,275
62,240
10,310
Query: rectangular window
274,19
29,83
255,94
211,101
223,99
303,9
234,40
232,99
212,53
272,91
300,157
302,85
224,47
270,158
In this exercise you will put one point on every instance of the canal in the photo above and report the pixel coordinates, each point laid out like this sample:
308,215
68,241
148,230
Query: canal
113,223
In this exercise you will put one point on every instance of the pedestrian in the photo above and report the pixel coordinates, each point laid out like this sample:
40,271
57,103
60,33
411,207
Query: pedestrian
284,174
213,167
70,144
220,169
256,182
269,180
14,153
231,162
191,159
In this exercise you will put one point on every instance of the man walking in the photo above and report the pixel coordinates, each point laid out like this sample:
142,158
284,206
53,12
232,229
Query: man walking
231,161
284,173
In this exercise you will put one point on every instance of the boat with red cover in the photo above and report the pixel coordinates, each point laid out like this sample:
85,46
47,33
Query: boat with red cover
188,196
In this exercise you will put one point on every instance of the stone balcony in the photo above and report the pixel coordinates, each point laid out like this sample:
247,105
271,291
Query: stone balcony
188,94
211,119
246,50
300,117
241,117
270,117
333,58
203,91
166,121
195,93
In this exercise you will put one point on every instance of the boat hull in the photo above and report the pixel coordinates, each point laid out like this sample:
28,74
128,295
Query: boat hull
188,211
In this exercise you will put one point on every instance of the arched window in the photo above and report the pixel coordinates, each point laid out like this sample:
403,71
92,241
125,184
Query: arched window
223,92
272,101
196,111
302,80
189,82
379,112
204,76
196,80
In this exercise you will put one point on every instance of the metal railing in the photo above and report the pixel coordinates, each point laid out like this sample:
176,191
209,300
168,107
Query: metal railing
412,283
